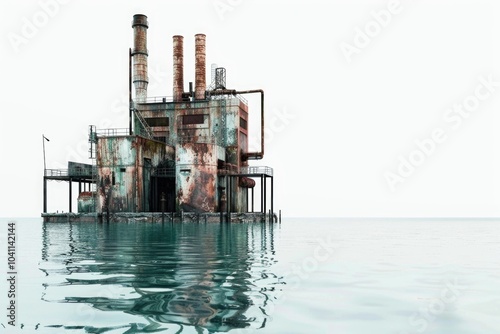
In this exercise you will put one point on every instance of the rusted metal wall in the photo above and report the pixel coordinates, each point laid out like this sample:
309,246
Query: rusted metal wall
196,176
209,139
161,119
122,178
196,158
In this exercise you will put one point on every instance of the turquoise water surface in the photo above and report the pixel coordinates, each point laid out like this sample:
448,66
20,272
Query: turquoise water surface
302,276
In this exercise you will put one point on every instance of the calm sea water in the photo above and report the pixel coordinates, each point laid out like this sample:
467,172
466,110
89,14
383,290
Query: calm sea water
302,276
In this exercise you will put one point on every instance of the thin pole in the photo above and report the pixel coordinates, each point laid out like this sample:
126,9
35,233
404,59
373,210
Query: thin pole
44,175
43,144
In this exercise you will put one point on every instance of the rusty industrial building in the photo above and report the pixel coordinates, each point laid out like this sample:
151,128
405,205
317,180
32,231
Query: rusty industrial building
183,155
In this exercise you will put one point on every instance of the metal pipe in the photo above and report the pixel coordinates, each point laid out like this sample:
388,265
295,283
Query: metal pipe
140,55
200,67
178,67
130,101
249,155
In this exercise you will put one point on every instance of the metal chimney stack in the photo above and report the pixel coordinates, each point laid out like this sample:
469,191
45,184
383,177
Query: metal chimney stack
178,67
200,71
140,57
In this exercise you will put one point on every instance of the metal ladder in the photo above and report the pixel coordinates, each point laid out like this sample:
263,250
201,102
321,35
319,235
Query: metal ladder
147,130
93,158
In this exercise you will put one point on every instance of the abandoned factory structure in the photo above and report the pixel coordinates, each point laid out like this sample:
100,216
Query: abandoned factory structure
186,153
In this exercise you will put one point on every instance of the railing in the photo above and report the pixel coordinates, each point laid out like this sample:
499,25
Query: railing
112,132
157,99
146,130
56,172
165,171
165,99
225,97
242,99
250,170
67,173
257,170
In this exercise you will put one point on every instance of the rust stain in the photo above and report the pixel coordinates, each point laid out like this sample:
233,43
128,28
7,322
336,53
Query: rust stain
178,67
200,66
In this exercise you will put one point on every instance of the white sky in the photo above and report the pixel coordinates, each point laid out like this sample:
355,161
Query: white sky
336,127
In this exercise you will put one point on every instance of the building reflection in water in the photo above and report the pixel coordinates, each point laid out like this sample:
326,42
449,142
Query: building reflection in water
213,276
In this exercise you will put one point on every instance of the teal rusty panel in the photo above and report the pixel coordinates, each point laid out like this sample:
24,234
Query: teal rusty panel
115,151
124,179
232,125
116,189
85,202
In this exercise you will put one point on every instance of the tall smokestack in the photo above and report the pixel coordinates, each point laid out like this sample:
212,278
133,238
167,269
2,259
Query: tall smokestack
178,68
200,72
140,56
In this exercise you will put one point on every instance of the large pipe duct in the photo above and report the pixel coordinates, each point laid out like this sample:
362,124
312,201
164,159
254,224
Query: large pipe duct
140,56
178,68
200,67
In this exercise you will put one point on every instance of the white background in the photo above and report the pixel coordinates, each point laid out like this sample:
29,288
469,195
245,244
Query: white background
336,126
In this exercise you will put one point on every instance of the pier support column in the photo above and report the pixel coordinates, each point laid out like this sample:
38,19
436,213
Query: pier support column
265,194
229,197
272,199
44,194
262,193
70,190
252,199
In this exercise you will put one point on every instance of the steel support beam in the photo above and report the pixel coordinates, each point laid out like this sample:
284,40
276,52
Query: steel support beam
253,198
70,190
44,194
265,194
272,199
